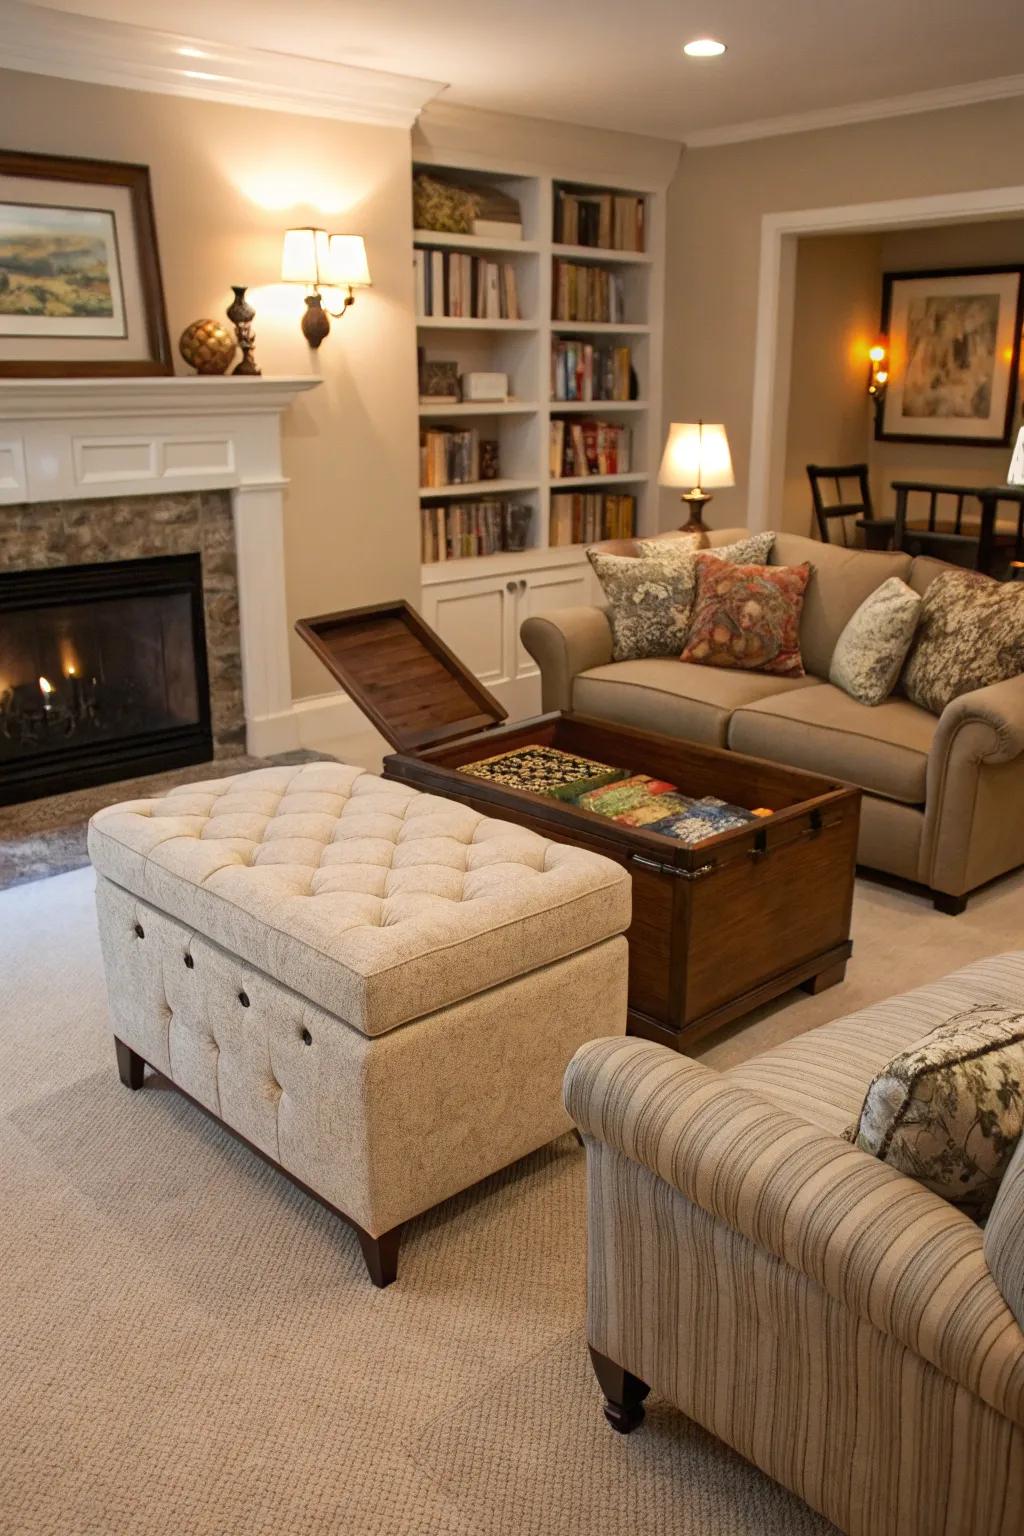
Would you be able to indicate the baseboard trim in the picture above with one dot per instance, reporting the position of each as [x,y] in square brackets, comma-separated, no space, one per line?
[306,723]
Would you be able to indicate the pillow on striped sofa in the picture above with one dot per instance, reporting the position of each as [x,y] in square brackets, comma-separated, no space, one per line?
[949,1111]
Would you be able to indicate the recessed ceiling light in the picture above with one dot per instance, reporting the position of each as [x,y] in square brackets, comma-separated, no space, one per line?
[704,48]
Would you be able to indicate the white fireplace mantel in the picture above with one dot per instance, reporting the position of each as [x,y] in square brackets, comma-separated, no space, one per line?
[74,439]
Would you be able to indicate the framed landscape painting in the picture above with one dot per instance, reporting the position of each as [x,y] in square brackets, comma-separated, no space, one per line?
[954,355]
[80,289]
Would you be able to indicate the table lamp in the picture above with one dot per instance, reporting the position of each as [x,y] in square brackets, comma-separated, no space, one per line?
[697,456]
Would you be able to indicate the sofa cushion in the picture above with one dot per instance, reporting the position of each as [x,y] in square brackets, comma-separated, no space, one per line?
[949,1109]
[971,634]
[747,617]
[823,1075]
[871,650]
[370,898]
[842,579]
[672,697]
[884,750]
[1004,1235]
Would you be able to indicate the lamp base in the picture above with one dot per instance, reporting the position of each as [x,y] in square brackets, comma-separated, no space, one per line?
[316,323]
[695,500]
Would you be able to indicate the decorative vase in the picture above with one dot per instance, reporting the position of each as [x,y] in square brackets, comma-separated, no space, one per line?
[241,314]
[206,346]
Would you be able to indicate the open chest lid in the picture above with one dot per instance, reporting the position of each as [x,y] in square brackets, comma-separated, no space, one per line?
[401,674]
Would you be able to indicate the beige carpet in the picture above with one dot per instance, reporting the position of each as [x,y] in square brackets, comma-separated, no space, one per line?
[191,1348]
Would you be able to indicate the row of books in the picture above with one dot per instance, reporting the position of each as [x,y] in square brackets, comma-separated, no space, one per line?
[449,456]
[588,448]
[587,293]
[607,221]
[460,530]
[584,517]
[449,283]
[581,371]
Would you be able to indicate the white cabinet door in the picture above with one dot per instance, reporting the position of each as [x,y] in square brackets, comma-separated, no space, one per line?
[476,619]
[564,586]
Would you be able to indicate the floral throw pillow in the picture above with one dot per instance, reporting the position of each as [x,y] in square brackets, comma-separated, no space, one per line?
[649,600]
[751,551]
[871,650]
[950,1110]
[971,634]
[747,617]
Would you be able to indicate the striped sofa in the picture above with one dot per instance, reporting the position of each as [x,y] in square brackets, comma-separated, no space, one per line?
[848,1331]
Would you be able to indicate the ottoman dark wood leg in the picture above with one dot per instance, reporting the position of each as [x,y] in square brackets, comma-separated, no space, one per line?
[381,1254]
[951,905]
[131,1068]
[825,979]
[624,1393]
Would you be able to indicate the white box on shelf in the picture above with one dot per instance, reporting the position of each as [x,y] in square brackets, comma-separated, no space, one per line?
[485,386]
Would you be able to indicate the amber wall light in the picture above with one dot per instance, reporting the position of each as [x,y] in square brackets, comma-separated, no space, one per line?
[319,260]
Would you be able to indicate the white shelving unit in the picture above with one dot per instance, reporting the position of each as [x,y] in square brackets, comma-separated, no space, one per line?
[478,604]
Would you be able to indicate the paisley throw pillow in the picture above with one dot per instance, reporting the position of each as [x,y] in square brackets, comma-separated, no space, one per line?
[971,634]
[949,1111]
[871,650]
[747,617]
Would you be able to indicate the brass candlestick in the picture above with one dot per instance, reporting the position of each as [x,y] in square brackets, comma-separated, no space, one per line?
[241,314]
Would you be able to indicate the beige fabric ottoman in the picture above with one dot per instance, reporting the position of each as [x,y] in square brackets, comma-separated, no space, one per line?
[378,989]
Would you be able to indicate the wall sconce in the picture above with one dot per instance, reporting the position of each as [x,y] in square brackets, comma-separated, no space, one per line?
[319,260]
[878,356]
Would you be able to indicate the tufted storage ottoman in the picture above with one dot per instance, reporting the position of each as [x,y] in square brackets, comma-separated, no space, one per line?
[378,989]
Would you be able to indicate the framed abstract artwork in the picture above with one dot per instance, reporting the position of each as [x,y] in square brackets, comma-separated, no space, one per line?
[954,355]
[80,287]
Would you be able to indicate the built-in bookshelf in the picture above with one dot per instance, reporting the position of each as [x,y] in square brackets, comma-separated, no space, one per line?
[557,286]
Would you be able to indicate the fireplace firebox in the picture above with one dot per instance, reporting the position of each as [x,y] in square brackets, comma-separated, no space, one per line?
[103,674]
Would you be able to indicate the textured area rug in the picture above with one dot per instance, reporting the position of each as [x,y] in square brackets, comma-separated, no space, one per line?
[190,1347]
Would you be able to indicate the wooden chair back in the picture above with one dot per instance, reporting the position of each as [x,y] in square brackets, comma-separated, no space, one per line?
[960,524]
[852,500]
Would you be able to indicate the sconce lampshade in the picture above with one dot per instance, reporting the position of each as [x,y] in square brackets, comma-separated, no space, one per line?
[696,454]
[347,262]
[305,256]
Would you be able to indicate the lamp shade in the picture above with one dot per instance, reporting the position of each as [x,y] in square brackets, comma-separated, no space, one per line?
[305,256]
[696,453]
[347,262]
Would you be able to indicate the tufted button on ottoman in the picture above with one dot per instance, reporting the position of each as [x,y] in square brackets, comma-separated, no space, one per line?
[381,988]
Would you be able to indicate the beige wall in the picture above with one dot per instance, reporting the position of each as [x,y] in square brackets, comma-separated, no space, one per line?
[835,319]
[226,182]
[715,206]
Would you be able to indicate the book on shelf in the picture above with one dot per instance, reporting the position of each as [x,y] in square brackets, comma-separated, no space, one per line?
[457,286]
[449,456]
[607,221]
[582,371]
[585,517]
[587,293]
[588,447]
[462,530]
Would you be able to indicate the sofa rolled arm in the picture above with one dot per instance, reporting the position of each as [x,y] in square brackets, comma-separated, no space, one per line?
[988,723]
[563,643]
[889,1250]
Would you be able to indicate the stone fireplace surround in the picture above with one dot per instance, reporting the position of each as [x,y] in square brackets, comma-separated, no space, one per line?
[108,469]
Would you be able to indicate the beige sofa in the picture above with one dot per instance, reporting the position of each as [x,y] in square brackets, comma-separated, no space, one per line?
[944,797]
[847,1330]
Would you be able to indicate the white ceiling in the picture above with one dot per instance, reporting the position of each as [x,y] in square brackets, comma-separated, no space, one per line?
[617,63]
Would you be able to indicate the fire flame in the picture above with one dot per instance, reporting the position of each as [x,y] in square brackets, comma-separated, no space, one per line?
[45,687]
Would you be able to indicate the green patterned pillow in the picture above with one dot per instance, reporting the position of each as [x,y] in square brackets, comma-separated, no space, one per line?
[971,634]
[649,600]
[750,551]
[949,1111]
[871,650]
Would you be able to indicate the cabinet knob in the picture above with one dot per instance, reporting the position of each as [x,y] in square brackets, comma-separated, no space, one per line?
[510,586]
[522,584]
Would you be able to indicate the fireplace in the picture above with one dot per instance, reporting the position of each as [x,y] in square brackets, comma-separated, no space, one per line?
[103,674]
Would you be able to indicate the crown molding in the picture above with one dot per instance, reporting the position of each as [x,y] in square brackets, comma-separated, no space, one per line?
[48,42]
[861,112]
